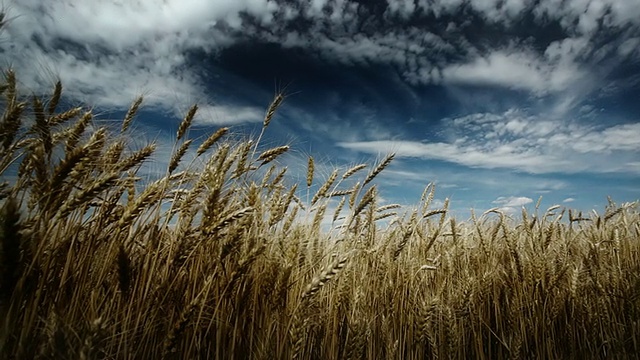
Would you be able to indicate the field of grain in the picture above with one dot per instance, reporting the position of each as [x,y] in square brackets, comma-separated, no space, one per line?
[224,258]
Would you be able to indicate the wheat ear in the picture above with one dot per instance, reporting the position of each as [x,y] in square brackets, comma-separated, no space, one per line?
[383,164]
[211,140]
[327,274]
[325,187]
[310,168]
[130,114]
[186,122]
[353,170]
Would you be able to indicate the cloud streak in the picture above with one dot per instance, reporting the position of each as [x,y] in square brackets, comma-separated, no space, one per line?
[515,140]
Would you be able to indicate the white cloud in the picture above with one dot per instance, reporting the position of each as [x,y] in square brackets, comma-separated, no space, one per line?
[515,70]
[583,15]
[501,156]
[568,200]
[108,52]
[512,201]
[228,115]
[404,8]
[498,10]
[114,50]
[629,47]
[511,204]
[514,140]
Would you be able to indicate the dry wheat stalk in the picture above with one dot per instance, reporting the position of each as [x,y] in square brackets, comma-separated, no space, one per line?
[211,140]
[278,178]
[95,143]
[354,195]
[327,274]
[272,109]
[244,264]
[385,215]
[55,98]
[317,218]
[340,193]
[58,119]
[407,234]
[231,218]
[11,122]
[170,343]
[325,187]
[434,212]
[296,335]
[137,158]
[11,91]
[133,110]
[113,153]
[269,155]
[72,159]
[241,167]
[280,211]
[41,126]
[186,122]
[177,156]
[77,130]
[388,207]
[383,164]
[310,169]
[336,213]
[353,170]
[367,198]
[290,219]
[87,194]
[610,214]
[145,200]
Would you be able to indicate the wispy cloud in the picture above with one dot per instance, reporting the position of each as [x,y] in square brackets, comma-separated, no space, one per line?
[529,143]
[110,51]
[228,115]
[521,70]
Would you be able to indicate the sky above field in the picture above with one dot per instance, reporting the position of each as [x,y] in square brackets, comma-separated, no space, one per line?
[498,102]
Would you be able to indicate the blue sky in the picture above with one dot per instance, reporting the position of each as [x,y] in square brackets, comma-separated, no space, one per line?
[497,101]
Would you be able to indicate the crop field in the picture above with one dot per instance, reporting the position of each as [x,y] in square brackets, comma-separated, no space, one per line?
[224,258]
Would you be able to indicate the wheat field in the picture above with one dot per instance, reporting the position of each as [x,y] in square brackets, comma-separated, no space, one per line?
[223,257]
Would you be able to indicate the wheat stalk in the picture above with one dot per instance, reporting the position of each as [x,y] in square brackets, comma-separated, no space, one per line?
[61,118]
[186,122]
[272,109]
[211,140]
[269,155]
[381,166]
[353,170]
[137,158]
[133,110]
[325,187]
[177,156]
[55,98]
[327,274]
[77,130]
[310,168]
